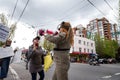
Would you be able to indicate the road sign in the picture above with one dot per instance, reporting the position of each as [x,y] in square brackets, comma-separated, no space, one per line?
[4,32]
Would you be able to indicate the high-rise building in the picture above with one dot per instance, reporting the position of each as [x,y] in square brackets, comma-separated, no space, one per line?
[103,28]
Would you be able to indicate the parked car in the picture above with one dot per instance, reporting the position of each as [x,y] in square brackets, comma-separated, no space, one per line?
[111,60]
[107,61]
[103,61]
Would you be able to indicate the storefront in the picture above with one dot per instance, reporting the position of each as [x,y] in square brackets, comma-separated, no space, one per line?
[79,57]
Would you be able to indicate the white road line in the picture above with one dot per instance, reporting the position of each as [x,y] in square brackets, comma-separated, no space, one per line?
[106,77]
[117,73]
[15,75]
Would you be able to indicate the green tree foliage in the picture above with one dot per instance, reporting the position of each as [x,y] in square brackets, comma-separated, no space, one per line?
[106,48]
[99,45]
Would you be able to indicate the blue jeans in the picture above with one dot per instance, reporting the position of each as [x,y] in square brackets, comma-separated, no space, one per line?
[4,67]
[41,74]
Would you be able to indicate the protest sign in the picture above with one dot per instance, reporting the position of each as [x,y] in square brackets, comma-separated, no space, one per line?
[6,52]
[4,32]
[17,56]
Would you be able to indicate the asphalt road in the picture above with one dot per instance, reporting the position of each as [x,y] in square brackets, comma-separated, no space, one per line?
[78,71]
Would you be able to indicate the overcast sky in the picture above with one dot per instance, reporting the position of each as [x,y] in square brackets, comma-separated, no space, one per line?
[49,13]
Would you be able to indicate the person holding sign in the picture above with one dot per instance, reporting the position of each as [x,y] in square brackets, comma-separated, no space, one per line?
[5,62]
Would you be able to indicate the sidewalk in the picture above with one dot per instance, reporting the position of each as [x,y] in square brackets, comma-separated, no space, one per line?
[12,75]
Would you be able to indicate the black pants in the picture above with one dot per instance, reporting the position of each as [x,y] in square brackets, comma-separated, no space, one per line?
[41,74]
[4,67]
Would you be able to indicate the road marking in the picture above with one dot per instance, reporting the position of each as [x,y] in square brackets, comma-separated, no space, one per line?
[15,75]
[117,73]
[106,77]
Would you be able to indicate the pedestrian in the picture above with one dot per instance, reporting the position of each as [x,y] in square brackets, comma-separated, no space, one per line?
[5,62]
[63,41]
[35,53]
[26,59]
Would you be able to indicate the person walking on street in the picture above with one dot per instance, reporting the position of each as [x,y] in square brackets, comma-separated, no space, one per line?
[5,62]
[35,53]
[63,41]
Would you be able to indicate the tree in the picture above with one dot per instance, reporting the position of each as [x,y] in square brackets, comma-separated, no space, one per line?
[99,45]
[105,48]
[110,48]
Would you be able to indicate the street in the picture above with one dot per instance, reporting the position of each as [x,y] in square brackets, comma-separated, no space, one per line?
[78,71]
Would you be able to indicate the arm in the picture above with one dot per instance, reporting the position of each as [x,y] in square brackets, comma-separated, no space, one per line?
[30,52]
[55,39]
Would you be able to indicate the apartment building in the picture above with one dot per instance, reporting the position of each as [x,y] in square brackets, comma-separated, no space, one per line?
[103,28]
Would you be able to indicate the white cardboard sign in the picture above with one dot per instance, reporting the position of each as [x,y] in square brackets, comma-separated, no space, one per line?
[6,52]
[17,56]
[4,32]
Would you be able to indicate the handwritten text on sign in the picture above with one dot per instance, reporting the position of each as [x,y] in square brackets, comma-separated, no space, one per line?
[4,32]
[6,52]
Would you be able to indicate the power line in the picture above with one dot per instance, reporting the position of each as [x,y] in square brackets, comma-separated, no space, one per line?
[97,9]
[61,17]
[110,7]
[73,12]
[14,10]
[23,11]
[73,9]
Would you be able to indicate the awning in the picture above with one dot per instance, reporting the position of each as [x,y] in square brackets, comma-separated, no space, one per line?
[75,52]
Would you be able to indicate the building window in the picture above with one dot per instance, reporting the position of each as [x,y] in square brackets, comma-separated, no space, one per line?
[100,24]
[80,50]
[100,33]
[84,50]
[84,42]
[91,44]
[82,35]
[92,51]
[79,42]
[88,50]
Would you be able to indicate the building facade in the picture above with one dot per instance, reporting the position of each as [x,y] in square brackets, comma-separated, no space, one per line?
[103,28]
[83,48]
[83,45]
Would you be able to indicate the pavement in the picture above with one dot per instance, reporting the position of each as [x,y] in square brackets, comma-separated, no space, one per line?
[12,75]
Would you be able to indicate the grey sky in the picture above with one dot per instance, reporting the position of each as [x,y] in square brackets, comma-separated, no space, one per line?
[49,13]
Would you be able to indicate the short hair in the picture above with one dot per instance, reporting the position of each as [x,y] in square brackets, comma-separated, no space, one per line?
[37,37]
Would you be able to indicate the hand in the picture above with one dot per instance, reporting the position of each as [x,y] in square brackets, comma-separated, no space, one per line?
[34,47]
